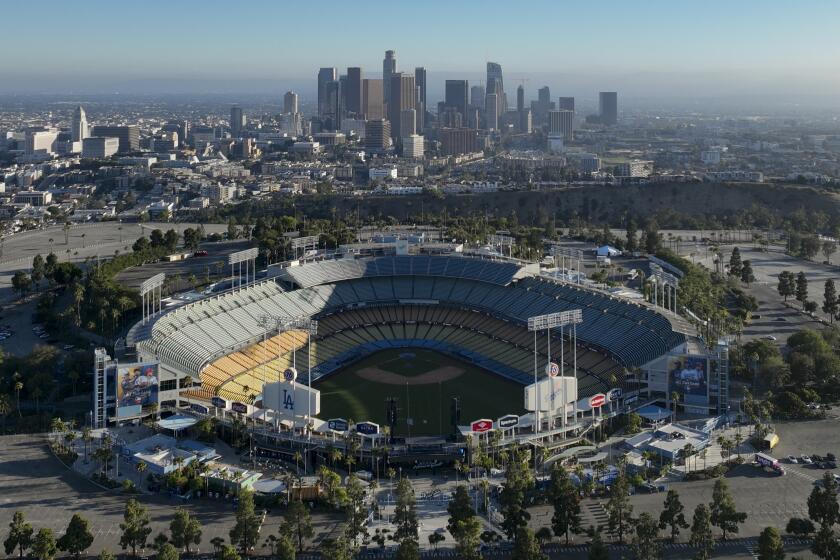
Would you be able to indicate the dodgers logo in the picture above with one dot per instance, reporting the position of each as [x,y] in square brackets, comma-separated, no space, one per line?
[288,400]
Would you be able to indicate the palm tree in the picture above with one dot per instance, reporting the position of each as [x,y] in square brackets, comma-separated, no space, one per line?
[5,408]
[18,388]
[298,457]
[141,468]
[738,440]
[87,437]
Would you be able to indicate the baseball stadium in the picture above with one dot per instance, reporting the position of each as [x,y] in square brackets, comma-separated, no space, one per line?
[420,330]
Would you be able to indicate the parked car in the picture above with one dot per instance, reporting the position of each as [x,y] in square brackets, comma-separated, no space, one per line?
[807,460]
[793,460]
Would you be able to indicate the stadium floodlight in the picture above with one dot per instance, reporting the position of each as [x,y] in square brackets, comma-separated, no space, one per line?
[243,256]
[501,240]
[552,320]
[150,284]
[304,242]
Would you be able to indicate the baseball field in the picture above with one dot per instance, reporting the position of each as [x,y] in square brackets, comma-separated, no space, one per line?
[424,383]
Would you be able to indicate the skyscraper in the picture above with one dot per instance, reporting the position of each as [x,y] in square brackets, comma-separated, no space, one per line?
[477,94]
[560,123]
[290,102]
[80,125]
[566,103]
[237,121]
[353,93]
[608,107]
[325,75]
[491,111]
[402,97]
[333,105]
[129,136]
[523,115]
[456,96]
[495,84]
[373,101]
[408,122]
[389,67]
[377,134]
[420,84]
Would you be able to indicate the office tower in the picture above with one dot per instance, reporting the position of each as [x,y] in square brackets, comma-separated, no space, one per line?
[523,117]
[408,122]
[389,67]
[608,107]
[561,123]
[520,98]
[333,105]
[99,147]
[237,121]
[544,95]
[373,100]
[353,93]
[455,141]
[525,121]
[80,125]
[477,94]
[456,95]
[377,135]
[412,146]
[450,117]
[566,103]
[420,84]
[129,136]
[290,102]
[40,140]
[325,75]
[495,84]
[402,98]
[491,111]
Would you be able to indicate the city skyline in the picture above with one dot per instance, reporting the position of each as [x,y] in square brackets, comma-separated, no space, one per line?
[646,50]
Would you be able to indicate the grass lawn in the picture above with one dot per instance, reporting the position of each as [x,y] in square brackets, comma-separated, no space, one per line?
[483,394]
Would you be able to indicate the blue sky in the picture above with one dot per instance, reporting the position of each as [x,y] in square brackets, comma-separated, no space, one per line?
[733,46]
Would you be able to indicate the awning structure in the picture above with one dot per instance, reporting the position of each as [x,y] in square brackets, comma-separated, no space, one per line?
[654,413]
[177,422]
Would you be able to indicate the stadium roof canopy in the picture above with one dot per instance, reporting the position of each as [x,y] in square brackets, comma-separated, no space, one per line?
[177,422]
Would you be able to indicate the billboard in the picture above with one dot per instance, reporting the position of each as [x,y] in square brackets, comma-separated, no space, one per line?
[689,376]
[291,399]
[481,426]
[137,386]
[367,428]
[551,393]
[508,421]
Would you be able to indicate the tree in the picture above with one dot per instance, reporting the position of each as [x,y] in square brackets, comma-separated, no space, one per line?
[336,549]
[597,549]
[619,509]
[825,545]
[747,276]
[77,538]
[770,545]
[463,524]
[735,263]
[185,529]
[405,512]
[823,507]
[787,284]
[701,533]
[801,288]
[228,552]
[168,552]
[44,546]
[356,510]
[651,237]
[830,303]
[645,544]
[526,547]
[246,530]
[285,548]
[21,282]
[672,515]
[409,549]
[722,509]
[38,269]
[435,539]
[20,535]
[135,527]
[105,554]
[565,500]
[297,523]
[518,480]
[800,526]
[631,243]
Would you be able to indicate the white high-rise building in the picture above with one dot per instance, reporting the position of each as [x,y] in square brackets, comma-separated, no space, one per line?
[80,129]
[412,146]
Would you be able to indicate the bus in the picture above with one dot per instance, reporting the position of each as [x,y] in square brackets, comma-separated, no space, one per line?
[767,461]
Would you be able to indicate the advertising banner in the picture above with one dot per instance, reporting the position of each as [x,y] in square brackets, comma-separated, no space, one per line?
[137,387]
[688,376]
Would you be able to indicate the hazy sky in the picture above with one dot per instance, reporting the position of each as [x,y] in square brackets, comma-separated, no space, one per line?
[641,47]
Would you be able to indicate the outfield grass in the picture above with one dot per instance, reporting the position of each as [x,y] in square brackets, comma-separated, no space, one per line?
[483,394]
